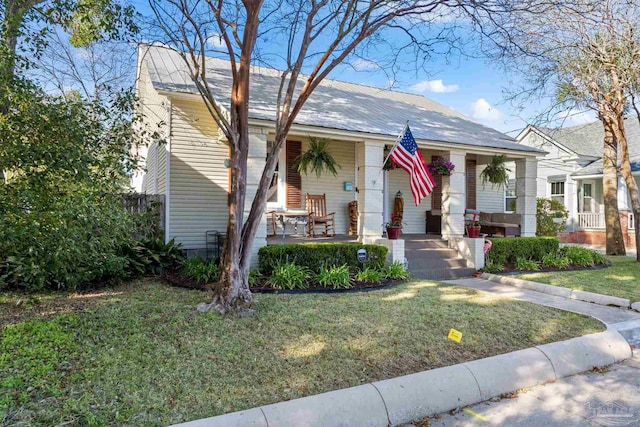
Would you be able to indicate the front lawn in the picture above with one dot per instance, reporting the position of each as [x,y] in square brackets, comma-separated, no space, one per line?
[621,279]
[140,354]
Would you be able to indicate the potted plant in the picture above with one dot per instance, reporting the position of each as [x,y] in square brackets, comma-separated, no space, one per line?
[394,228]
[473,226]
[441,166]
[495,172]
[317,158]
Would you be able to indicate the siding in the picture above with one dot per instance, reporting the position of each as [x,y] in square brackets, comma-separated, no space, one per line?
[414,216]
[490,198]
[153,108]
[199,179]
[333,186]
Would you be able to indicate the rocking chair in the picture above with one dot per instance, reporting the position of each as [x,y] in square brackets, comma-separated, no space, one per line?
[317,210]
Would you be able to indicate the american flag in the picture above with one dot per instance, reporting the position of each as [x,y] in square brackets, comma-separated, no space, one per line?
[407,155]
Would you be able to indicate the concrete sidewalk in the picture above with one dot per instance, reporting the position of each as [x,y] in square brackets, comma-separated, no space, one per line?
[618,318]
[611,398]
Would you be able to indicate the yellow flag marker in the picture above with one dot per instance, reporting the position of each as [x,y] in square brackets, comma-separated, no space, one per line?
[475,414]
[455,335]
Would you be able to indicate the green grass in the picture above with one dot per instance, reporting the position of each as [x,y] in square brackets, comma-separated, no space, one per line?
[621,279]
[141,355]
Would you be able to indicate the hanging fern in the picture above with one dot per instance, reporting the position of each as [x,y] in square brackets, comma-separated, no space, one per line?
[317,158]
[496,173]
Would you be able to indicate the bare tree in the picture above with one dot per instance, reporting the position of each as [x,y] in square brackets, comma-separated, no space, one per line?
[572,54]
[316,36]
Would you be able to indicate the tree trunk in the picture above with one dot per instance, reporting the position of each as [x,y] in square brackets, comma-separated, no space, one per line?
[615,240]
[627,174]
[232,289]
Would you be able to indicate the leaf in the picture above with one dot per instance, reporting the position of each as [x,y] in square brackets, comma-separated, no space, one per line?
[317,158]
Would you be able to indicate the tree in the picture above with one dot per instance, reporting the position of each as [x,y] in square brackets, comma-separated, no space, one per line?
[571,53]
[316,36]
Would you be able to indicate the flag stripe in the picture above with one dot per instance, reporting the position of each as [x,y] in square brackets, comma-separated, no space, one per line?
[407,155]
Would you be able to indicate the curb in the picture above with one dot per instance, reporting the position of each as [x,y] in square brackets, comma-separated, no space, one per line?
[562,292]
[403,399]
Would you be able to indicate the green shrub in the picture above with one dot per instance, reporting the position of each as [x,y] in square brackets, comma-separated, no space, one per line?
[201,271]
[314,256]
[396,271]
[599,259]
[71,241]
[289,276]
[555,261]
[153,255]
[508,250]
[335,277]
[582,257]
[369,275]
[254,277]
[524,264]
[547,213]
[492,267]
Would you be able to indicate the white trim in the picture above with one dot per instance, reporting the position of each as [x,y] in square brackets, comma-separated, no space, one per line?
[167,174]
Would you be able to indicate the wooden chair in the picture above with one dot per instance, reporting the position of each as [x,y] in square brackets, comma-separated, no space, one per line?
[272,228]
[317,210]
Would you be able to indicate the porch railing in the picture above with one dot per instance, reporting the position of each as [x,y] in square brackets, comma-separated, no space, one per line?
[590,220]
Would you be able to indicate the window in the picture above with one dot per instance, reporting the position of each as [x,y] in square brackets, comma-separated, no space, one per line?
[510,196]
[587,198]
[557,191]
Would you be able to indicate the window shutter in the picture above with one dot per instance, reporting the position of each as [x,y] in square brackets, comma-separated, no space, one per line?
[470,174]
[436,195]
[294,180]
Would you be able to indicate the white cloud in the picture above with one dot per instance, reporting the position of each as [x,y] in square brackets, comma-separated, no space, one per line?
[215,41]
[435,86]
[364,64]
[482,110]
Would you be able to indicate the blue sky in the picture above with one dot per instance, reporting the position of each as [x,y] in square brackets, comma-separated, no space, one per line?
[471,86]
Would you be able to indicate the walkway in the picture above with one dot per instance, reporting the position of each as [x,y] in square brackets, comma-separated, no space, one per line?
[607,398]
[618,318]
[610,398]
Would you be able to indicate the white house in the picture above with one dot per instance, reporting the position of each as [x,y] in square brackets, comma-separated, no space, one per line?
[571,172]
[363,121]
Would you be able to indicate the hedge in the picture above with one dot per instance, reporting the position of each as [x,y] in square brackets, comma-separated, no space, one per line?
[508,250]
[315,255]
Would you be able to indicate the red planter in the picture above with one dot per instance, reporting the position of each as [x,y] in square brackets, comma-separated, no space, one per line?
[473,231]
[393,233]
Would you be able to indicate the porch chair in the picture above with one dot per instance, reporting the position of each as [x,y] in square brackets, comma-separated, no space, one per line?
[317,210]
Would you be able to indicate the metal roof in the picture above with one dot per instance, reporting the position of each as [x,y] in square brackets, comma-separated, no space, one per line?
[587,140]
[333,104]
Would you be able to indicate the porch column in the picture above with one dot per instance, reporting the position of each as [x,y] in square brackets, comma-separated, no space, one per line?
[369,157]
[526,174]
[454,198]
[255,165]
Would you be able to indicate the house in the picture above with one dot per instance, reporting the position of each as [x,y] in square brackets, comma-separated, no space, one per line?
[571,172]
[362,121]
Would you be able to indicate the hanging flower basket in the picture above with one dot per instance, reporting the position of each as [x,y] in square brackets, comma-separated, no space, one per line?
[441,166]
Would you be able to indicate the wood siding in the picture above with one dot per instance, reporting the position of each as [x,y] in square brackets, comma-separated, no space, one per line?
[333,186]
[153,107]
[490,198]
[414,216]
[199,179]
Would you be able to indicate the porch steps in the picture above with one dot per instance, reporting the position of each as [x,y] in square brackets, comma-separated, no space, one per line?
[432,259]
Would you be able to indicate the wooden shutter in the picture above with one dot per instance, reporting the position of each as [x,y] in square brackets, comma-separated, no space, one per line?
[294,180]
[470,174]
[436,195]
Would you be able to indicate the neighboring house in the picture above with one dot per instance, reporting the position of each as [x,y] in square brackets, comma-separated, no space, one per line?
[363,122]
[571,173]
